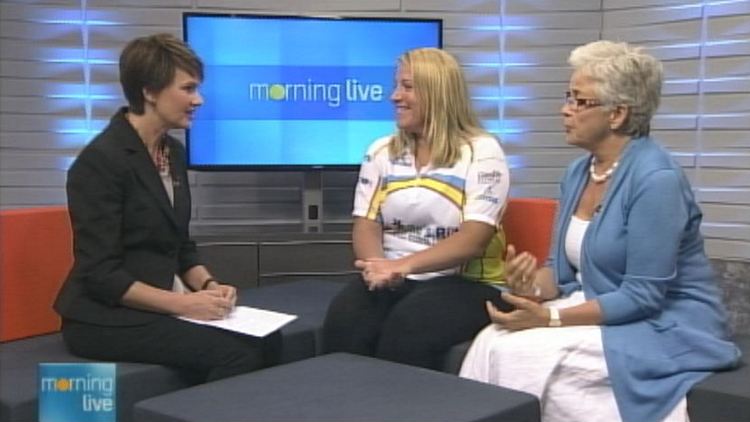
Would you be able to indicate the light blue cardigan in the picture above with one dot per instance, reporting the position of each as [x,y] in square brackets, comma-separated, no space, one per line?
[664,326]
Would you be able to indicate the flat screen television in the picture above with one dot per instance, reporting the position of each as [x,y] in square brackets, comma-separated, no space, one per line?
[295,92]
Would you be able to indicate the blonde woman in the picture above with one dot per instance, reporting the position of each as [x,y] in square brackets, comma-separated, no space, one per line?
[633,316]
[425,232]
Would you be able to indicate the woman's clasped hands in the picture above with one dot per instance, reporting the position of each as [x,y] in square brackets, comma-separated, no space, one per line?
[381,273]
[524,295]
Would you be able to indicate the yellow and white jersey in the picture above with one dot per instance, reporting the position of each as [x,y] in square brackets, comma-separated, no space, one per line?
[418,209]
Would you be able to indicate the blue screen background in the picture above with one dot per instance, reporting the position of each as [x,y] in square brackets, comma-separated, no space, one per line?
[296,92]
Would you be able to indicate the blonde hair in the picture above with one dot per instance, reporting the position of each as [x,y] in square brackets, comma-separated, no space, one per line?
[449,119]
[625,75]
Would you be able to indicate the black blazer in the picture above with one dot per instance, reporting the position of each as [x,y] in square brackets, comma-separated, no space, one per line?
[124,227]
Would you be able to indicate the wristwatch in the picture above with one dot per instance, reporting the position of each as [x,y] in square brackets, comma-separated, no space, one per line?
[554,317]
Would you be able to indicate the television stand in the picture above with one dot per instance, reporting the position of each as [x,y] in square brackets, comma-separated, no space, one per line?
[312,202]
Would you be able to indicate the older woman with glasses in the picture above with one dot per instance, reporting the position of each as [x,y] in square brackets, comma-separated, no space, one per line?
[626,316]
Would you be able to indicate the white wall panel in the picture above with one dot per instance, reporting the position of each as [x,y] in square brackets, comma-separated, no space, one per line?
[39,105]
[736,232]
[38,31]
[724,195]
[724,8]
[726,103]
[727,67]
[677,139]
[546,37]
[664,32]
[451,20]
[34,160]
[534,107]
[723,213]
[552,159]
[725,178]
[34,123]
[30,12]
[538,191]
[33,196]
[33,178]
[10,68]
[546,6]
[728,27]
[680,87]
[523,74]
[682,69]
[472,39]
[477,6]
[16,87]
[671,122]
[536,176]
[721,139]
[295,6]
[731,48]
[739,121]
[142,3]
[629,4]
[679,104]
[735,159]
[30,141]
[675,51]
[576,20]
[738,249]
[650,16]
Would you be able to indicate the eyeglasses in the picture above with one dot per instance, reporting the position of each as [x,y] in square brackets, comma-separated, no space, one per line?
[580,104]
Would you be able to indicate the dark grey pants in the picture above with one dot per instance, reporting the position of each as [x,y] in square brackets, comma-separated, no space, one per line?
[206,353]
[415,324]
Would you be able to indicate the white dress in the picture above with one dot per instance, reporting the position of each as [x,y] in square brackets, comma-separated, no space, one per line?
[564,366]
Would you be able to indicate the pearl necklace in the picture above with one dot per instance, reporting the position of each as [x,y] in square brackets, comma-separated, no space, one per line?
[603,177]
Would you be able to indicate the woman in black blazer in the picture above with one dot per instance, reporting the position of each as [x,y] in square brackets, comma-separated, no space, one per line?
[129,203]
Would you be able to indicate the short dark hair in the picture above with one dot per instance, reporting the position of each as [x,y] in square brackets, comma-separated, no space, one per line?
[151,63]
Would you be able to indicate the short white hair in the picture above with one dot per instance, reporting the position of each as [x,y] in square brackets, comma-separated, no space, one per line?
[624,75]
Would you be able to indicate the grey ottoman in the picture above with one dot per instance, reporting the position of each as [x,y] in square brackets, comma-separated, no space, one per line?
[341,388]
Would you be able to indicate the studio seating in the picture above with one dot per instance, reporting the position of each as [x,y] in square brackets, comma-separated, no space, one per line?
[37,253]
[36,256]
[528,225]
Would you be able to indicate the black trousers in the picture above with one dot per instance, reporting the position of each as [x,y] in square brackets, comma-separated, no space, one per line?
[415,323]
[205,353]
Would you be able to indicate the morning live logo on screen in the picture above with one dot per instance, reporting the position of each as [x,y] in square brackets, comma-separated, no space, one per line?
[77,392]
[299,92]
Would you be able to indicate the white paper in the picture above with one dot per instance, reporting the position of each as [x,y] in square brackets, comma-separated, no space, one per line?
[252,321]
